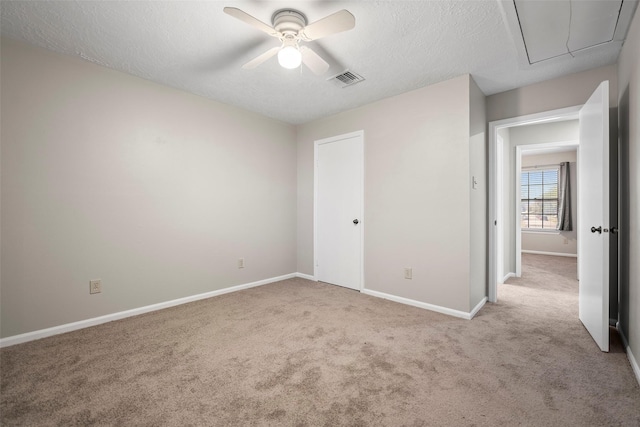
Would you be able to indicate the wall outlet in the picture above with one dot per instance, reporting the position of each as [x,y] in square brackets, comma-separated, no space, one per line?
[408,273]
[566,241]
[240,262]
[95,286]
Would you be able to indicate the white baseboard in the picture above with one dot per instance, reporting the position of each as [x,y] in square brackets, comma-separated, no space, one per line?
[477,308]
[632,360]
[549,253]
[43,333]
[634,364]
[507,276]
[427,306]
[306,276]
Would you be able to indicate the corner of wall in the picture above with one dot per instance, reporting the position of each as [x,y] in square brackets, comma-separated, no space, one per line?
[479,178]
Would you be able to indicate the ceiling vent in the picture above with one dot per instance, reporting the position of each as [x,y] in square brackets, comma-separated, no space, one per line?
[348,78]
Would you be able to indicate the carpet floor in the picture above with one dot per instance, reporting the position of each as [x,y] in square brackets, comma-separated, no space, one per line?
[300,353]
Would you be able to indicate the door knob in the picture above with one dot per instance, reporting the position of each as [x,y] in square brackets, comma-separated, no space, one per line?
[355,221]
[614,230]
[599,230]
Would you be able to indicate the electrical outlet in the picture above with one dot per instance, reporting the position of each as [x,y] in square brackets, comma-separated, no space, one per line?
[566,241]
[240,262]
[408,273]
[95,286]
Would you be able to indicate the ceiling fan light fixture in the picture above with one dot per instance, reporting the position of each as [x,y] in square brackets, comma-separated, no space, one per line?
[289,57]
[290,27]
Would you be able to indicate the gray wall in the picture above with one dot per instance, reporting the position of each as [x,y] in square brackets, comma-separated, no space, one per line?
[155,191]
[629,123]
[566,91]
[478,168]
[417,191]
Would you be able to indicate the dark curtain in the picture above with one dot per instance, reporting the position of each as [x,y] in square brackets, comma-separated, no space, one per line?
[564,208]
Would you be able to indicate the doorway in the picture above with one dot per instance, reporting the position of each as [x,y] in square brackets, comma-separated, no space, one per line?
[594,207]
[539,233]
[496,175]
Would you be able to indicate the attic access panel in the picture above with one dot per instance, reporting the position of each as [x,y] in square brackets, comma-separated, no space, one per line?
[554,28]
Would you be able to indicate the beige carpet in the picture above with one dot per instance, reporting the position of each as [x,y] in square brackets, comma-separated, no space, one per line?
[300,353]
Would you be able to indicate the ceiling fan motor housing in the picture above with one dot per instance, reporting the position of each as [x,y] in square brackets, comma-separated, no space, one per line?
[288,21]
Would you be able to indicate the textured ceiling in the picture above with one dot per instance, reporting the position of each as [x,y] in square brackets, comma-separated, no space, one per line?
[396,46]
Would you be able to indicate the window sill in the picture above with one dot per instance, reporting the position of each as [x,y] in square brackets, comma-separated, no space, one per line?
[533,231]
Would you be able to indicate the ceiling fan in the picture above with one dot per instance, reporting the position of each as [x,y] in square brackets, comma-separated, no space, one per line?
[290,27]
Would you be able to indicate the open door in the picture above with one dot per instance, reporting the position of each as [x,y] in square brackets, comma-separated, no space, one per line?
[593,220]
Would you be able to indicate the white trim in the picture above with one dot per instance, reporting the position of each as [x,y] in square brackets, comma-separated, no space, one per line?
[68,327]
[477,308]
[306,276]
[427,306]
[492,223]
[507,276]
[540,168]
[549,253]
[547,116]
[541,148]
[518,222]
[632,360]
[500,264]
[316,144]
[634,364]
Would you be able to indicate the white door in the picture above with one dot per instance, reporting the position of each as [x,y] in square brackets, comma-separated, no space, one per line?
[338,210]
[593,220]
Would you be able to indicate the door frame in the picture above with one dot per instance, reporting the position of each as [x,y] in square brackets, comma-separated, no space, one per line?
[316,144]
[496,170]
[520,150]
[500,210]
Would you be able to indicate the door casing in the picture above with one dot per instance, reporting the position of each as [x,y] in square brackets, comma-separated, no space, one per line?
[496,170]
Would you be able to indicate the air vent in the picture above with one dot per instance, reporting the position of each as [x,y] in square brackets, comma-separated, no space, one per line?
[348,78]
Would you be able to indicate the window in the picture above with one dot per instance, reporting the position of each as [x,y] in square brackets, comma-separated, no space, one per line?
[539,199]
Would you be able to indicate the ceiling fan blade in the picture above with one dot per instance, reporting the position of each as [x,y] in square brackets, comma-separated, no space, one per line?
[248,19]
[261,58]
[336,23]
[312,60]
